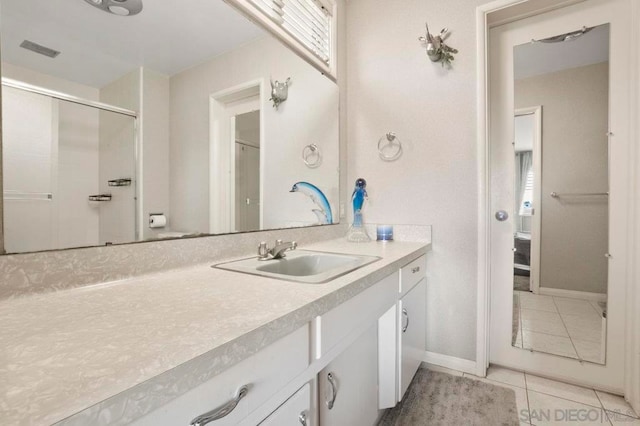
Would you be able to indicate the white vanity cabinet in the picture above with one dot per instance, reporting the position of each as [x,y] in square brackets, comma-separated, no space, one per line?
[411,322]
[349,337]
[263,374]
[341,369]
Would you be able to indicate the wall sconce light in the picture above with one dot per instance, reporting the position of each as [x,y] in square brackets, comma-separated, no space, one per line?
[279,92]
[437,49]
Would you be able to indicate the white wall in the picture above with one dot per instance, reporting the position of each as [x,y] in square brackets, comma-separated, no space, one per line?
[49,82]
[574,231]
[287,131]
[155,150]
[525,130]
[392,86]
[248,128]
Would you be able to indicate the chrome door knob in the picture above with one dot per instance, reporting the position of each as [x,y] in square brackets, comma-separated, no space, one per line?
[502,215]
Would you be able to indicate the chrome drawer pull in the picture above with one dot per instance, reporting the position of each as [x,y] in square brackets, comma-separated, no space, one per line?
[303,418]
[416,269]
[220,412]
[406,314]
[334,390]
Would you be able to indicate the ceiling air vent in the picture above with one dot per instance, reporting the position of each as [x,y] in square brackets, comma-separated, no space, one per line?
[38,48]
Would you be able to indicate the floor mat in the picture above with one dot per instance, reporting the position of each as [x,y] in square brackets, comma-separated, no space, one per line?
[435,398]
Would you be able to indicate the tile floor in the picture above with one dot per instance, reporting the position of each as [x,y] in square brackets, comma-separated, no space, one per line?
[573,328]
[548,402]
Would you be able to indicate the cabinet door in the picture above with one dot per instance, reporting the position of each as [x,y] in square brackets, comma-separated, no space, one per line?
[412,334]
[296,411]
[388,358]
[348,385]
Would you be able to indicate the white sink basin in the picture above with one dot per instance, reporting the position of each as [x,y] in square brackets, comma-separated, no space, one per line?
[311,267]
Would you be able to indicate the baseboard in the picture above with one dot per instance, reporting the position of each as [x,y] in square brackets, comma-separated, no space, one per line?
[572,294]
[450,362]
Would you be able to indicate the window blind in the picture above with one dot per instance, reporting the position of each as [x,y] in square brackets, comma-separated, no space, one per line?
[308,21]
[526,205]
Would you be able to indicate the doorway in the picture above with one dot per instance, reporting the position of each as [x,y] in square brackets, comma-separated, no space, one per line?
[236,149]
[528,182]
[247,171]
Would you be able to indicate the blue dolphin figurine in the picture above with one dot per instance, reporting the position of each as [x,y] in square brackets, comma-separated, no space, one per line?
[324,213]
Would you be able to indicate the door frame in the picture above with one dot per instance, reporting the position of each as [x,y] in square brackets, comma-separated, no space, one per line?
[534,264]
[222,153]
[511,10]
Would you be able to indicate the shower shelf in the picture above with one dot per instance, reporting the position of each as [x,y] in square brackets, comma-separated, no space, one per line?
[120,182]
[100,197]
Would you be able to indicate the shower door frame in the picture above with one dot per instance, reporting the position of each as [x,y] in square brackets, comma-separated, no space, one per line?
[137,144]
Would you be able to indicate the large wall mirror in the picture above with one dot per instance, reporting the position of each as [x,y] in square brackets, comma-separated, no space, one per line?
[561,231]
[159,124]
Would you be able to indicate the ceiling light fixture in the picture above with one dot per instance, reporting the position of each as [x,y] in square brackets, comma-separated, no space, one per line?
[118,7]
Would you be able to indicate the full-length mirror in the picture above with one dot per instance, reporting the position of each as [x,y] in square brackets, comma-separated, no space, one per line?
[561,191]
[159,124]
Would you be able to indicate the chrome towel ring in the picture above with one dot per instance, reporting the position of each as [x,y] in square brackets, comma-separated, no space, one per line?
[389,147]
[311,156]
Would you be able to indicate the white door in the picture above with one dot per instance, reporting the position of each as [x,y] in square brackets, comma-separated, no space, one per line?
[348,386]
[30,170]
[502,40]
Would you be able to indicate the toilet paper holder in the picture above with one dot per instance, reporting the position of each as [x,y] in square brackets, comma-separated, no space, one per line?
[157,220]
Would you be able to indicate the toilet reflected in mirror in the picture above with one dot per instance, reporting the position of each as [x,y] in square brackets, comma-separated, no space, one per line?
[560,235]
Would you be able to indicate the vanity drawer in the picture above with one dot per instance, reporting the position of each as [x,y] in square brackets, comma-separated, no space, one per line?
[264,373]
[364,308]
[411,274]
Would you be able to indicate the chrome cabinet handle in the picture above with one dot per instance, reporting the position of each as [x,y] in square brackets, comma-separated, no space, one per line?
[406,314]
[303,418]
[334,390]
[416,269]
[222,411]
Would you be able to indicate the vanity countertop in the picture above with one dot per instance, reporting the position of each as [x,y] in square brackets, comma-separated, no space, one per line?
[96,349]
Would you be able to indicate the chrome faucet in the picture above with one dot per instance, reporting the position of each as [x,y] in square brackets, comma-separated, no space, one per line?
[277,252]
